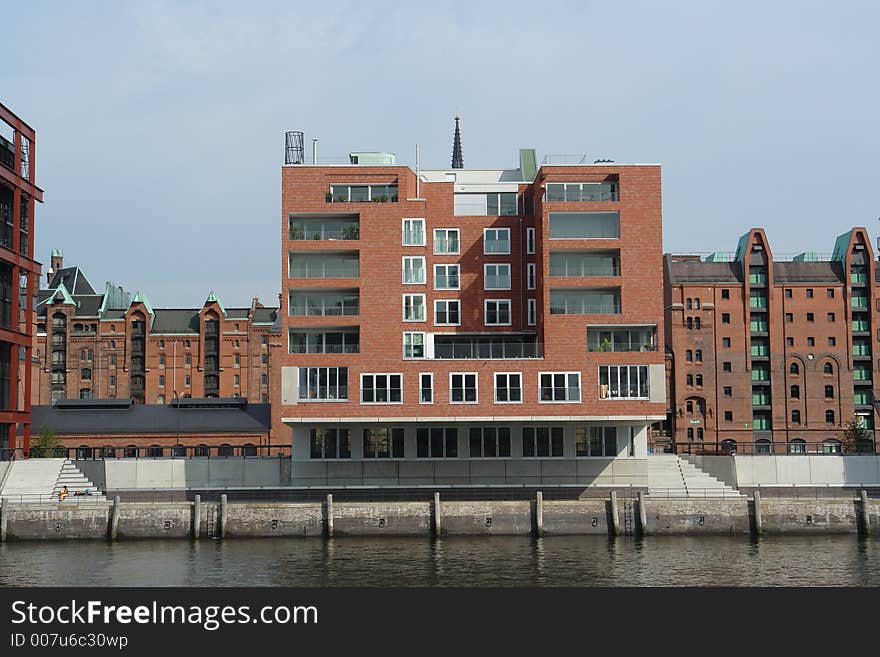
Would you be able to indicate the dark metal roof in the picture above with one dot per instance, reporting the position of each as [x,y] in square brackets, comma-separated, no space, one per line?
[695,271]
[101,418]
[175,321]
[265,315]
[87,305]
[74,280]
[808,272]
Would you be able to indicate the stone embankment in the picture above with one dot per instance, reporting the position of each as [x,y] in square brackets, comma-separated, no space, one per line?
[636,515]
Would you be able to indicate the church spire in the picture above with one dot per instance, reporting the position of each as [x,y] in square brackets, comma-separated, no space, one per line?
[457,158]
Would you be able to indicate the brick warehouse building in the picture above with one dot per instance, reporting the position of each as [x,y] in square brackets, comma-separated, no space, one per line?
[18,277]
[772,355]
[113,344]
[471,326]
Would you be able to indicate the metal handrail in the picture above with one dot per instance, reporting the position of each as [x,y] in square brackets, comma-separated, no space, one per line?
[814,448]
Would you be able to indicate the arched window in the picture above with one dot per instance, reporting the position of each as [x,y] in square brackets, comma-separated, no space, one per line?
[728,446]
[86,374]
[154,451]
[77,327]
[689,355]
[699,380]
[795,417]
[131,452]
[224,450]
[697,323]
[829,417]
[688,303]
[699,433]
[829,368]
[160,399]
[200,450]
[699,355]
[249,450]
[797,446]
[690,433]
[689,379]
[178,450]
[831,446]
[690,323]
[108,453]
[794,369]
[84,453]
[701,409]
[762,446]
[795,392]
[689,407]
[829,392]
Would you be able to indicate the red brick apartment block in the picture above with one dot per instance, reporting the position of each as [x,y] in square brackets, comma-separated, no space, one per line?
[772,355]
[470,326]
[19,275]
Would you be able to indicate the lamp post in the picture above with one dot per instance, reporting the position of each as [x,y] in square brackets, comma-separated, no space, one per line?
[177,416]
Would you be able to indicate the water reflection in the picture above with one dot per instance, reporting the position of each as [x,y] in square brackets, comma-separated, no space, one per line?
[450,561]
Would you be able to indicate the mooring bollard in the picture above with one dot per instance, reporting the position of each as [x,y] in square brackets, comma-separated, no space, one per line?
[866,515]
[197,517]
[759,521]
[114,518]
[615,517]
[643,515]
[329,515]
[539,514]
[223,509]
[437,514]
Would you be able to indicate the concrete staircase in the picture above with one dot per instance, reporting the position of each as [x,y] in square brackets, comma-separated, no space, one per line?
[41,480]
[672,477]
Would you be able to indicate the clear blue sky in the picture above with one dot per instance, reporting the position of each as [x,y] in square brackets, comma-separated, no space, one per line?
[160,124]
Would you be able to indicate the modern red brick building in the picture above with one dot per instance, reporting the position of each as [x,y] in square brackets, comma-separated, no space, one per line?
[19,275]
[471,326]
[772,354]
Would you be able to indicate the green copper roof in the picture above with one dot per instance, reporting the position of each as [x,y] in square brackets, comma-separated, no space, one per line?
[742,248]
[807,256]
[140,297]
[841,244]
[65,296]
[528,164]
[56,253]
[212,298]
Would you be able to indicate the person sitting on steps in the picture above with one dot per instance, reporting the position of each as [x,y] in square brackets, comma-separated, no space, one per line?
[63,494]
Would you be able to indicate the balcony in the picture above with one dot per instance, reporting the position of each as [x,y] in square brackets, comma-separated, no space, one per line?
[581,192]
[344,227]
[448,347]
[860,302]
[861,326]
[361,194]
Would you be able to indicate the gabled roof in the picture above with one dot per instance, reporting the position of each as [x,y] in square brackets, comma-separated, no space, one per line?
[212,298]
[140,297]
[88,304]
[176,320]
[74,279]
[60,295]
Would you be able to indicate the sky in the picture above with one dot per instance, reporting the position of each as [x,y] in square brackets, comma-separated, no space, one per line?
[160,125]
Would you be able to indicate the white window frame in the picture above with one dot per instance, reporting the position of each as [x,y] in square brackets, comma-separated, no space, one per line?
[464,387]
[530,241]
[531,276]
[375,403]
[532,312]
[447,265]
[486,303]
[496,231]
[618,398]
[436,301]
[458,241]
[403,271]
[561,401]
[431,375]
[495,386]
[486,275]
[424,310]
[404,221]
[424,352]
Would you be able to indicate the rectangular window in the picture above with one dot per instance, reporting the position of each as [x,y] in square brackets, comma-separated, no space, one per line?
[584,225]
[413,232]
[447,312]
[496,240]
[542,441]
[323,265]
[491,204]
[413,345]
[623,382]
[383,443]
[497,312]
[559,386]
[584,263]
[496,277]
[363,193]
[725,342]
[311,227]
[413,307]
[414,270]
[426,388]
[621,338]
[728,391]
[532,277]
[330,443]
[508,388]
[235,379]
[592,301]
[462,388]
[161,380]
[533,312]
[323,303]
[322,341]
[446,240]
[582,191]
[437,442]
[323,383]
[595,441]
[446,277]
[381,388]
[530,241]
[489,442]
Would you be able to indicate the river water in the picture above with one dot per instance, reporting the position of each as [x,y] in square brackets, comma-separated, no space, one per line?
[476,561]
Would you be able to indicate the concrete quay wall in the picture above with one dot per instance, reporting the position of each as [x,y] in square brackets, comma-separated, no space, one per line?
[198,519]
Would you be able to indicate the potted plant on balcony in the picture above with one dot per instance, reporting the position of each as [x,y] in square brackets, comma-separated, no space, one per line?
[328,197]
[350,232]
[296,233]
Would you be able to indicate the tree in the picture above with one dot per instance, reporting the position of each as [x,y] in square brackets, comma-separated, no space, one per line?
[46,444]
[856,438]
